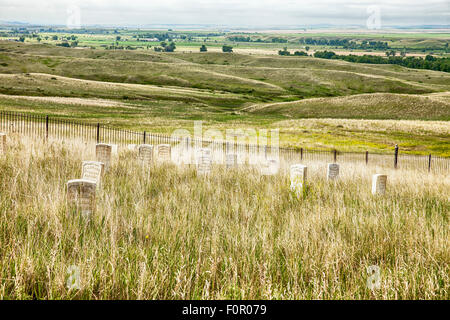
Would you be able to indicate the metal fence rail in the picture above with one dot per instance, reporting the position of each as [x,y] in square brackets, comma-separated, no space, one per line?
[45,126]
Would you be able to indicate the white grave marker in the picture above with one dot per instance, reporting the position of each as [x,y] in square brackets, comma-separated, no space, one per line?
[81,195]
[298,178]
[146,153]
[164,152]
[2,143]
[92,171]
[270,167]
[379,182]
[132,147]
[332,171]
[232,160]
[115,149]
[103,154]
[204,162]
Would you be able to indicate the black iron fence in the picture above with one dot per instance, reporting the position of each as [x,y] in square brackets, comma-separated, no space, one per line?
[49,126]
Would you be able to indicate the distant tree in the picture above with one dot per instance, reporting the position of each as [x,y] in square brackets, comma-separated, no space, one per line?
[226,48]
[55,38]
[284,52]
[74,44]
[325,54]
[38,39]
[22,39]
[63,44]
[300,53]
[203,48]
[307,48]
[171,47]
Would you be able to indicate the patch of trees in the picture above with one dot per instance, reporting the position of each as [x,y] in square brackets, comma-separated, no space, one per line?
[346,43]
[285,52]
[240,39]
[63,44]
[279,40]
[430,62]
[203,48]
[226,48]
[166,47]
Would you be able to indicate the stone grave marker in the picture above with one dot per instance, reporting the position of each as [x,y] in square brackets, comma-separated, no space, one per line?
[232,160]
[115,149]
[379,182]
[92,171]
[81,196]
[146,153]
[2,143]
[270,167]
[204,162]
[332,171]
[164,152]
[298,174]
[103,154]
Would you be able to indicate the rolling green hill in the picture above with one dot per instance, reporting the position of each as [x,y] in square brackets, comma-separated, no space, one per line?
[152,91]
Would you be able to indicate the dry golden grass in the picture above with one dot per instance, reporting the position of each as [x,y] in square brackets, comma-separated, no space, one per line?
[373,105]
[164,233]
[407,126]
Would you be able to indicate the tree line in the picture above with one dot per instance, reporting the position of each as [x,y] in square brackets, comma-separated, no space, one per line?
[429,62]
[346,43]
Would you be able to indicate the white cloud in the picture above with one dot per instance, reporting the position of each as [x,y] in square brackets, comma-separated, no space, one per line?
[227,12]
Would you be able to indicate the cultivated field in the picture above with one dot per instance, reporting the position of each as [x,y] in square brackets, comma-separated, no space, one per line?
[162,232]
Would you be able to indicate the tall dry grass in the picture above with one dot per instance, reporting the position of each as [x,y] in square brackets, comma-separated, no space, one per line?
[164,233]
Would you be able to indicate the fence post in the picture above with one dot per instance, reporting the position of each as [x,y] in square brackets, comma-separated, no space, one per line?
[335,155]
[301,153]
[429,163]
[396,157]
[145,136]
[98,132]
[46,127]
[367,157]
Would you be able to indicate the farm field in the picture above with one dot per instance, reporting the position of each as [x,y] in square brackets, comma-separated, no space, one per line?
[149,238]
[161,92]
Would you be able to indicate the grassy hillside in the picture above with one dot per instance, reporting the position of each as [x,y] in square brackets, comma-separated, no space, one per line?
[145,90]
[275,78]
[369,106]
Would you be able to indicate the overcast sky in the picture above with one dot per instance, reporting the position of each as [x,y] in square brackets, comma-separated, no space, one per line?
[258,13]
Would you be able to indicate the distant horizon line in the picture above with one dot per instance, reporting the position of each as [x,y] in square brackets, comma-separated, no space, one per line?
[231,27]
